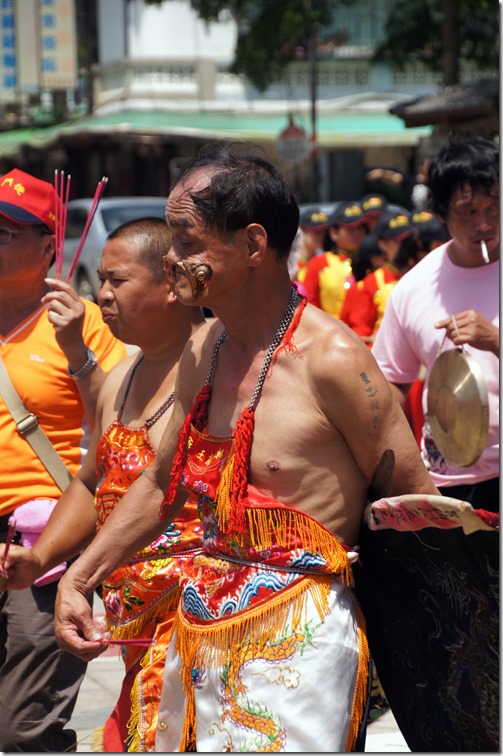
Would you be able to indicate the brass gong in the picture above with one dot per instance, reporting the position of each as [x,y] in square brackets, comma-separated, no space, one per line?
[458,407]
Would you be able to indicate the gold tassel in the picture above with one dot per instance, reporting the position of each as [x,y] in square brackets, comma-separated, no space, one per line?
[210,644]
[360,693]
[134,628]
[282,526]
[97,745]
[133,740]
[189,724]
[223,494]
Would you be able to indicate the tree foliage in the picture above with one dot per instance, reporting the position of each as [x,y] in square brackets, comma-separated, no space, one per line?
[416,31]
[270,32]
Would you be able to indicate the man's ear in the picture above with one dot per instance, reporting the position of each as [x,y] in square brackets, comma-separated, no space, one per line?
[49,248]
[256,240]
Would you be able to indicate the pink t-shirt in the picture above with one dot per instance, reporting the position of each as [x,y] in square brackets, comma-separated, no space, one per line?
[407,339]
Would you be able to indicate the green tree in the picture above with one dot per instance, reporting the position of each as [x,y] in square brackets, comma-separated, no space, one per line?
[440,33]
[270,32]
[436,32]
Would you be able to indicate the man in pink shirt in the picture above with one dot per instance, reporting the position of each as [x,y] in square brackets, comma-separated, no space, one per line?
[453,294]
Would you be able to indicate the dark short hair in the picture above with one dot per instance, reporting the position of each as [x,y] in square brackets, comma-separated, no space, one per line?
[243,188]
[472,161]
[152,237]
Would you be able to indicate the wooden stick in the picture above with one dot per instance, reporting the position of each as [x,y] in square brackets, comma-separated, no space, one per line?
[97,196]
[8,541]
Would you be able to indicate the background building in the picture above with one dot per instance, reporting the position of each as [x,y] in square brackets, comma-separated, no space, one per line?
[128,90]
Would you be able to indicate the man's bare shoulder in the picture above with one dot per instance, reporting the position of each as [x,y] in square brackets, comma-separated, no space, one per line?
[331,347]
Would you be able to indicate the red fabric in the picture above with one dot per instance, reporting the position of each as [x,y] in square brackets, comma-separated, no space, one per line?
[359,311]
[311,281]
[414,408]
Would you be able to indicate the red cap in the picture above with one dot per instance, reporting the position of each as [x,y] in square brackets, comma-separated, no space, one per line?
[26,199]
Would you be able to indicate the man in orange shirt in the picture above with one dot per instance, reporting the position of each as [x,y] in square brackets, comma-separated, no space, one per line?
[365,301]
[56,350]
[329,275]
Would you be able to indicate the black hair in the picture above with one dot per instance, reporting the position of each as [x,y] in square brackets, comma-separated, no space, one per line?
[361,263]
[472,161]
[152,238]
[243,188]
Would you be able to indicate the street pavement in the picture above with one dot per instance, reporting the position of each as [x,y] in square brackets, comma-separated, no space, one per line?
[101,687]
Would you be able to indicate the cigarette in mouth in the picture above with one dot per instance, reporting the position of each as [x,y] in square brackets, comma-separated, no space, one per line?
[484,251]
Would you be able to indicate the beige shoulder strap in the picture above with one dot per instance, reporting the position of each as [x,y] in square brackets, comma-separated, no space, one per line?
[27,425]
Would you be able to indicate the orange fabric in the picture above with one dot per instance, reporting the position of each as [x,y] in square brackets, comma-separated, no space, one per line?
[38,369]
[141,595]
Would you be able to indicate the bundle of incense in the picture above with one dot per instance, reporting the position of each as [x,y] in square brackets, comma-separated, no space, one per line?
[96,199]
[485,254]
[129,641]
[63,192]
[8,540]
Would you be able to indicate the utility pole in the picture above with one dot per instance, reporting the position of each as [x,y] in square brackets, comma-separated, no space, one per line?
[313,76]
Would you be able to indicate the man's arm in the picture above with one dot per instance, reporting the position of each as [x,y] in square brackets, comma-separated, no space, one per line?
[364,409]
[400,391]
[130,527]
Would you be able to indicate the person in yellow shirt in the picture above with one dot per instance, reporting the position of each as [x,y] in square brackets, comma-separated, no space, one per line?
[56,350]
[329,275]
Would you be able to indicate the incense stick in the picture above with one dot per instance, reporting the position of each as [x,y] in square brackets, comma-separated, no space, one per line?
[485,254]
[129,641]
[62,188]
[8,540]
[96,199]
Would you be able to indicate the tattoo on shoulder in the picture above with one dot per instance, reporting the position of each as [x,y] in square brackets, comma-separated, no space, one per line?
[371,393]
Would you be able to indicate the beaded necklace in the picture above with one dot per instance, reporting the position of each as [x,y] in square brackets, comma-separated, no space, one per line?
[231,493]
[154,417]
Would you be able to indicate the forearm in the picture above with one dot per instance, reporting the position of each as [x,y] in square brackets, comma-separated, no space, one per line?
[400,392]
[131,527]
[71,526]
[89,389]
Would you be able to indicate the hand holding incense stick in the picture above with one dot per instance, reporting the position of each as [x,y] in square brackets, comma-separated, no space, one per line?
[485,254]
[8,540]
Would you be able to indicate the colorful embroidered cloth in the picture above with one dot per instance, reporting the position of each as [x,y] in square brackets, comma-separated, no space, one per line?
[141,596]
[428,583]
[266,617]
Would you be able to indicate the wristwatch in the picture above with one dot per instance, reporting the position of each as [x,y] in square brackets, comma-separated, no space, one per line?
[89,365]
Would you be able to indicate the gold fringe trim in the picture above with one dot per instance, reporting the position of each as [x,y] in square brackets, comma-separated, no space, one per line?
[133,740]
[223,493]
[210,644]
[286,527]
[188,742]
[360,693]
[134,627]
[97,744]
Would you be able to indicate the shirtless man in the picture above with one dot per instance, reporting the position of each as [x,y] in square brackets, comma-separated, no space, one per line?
[278,450]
